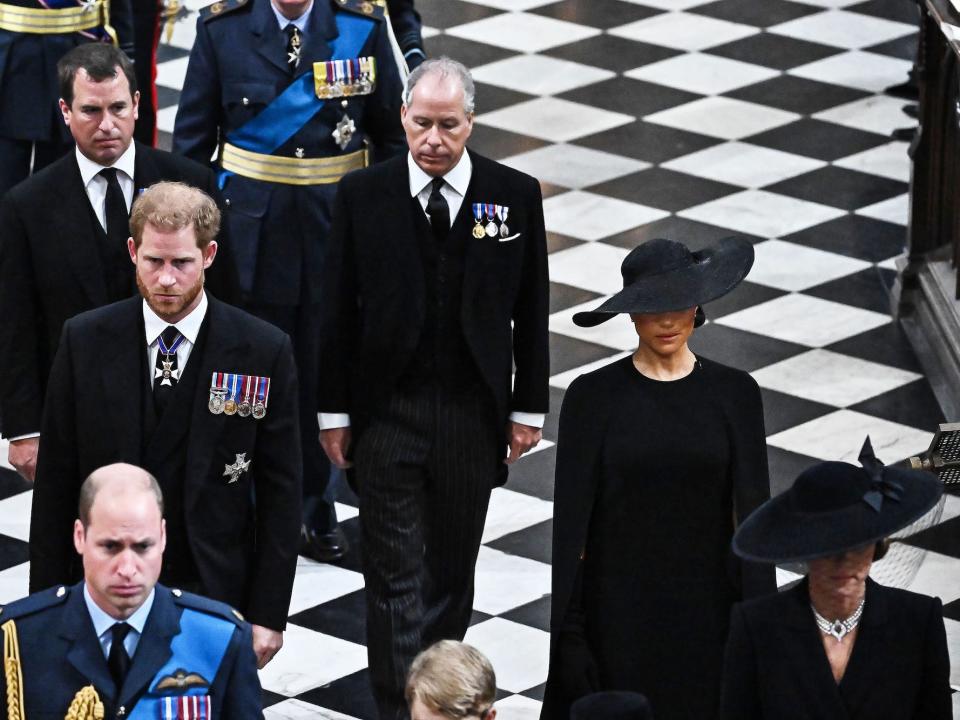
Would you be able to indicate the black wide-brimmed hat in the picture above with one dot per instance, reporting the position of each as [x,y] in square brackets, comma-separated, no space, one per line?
[612,705]
[663,275]
[833,507]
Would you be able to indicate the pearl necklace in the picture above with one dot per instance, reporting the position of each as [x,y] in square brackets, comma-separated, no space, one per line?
[839,628]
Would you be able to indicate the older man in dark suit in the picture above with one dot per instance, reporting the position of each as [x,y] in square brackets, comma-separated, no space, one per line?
[63,233]
[436,285]
[200,394]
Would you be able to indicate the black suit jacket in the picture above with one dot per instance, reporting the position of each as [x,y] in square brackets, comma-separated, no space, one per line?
[50,270]
[776,667]
[375,297]
[243,535]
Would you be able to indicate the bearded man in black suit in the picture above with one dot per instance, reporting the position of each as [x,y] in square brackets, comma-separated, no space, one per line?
[436,287]
[63,233]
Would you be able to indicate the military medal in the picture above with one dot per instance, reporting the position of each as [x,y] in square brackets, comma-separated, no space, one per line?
[345,129]
[492,228]
[478,231]
[368,74]
[293,57]
[503,211]
[217,394]
[239,467]
[230,405]
[167,372]
[245,408]
[263,395]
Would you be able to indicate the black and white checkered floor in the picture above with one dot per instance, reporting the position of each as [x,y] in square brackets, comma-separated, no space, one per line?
[643,119]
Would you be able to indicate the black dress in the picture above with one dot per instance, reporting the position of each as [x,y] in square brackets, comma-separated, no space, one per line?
[650,476]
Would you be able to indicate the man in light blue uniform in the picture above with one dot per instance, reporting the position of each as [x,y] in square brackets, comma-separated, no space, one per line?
[144,650]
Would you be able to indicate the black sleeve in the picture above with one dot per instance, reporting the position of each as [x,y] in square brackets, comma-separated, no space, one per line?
[934,700]
[121,20]
[739,695]
[408,28]
[196,130]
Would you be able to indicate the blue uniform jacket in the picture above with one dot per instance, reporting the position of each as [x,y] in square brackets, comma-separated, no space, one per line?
[237,67]
[60,654]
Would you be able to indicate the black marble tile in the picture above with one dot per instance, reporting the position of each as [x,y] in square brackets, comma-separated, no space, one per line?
[903,48]
[746,294]
[952,611]
[646,141]
[784,468]
[868,289]
[774,51]
[344,617]
[477,617]
[12,484]
[839,188]
[943,538]
[167,97]
[798,95]
[498,144]
[782,411]
[535,693]
[553,417]
[567,353]
[750,12]
[533,474]
[913,404]
[629,96]
[470,53]
[166,53]
[268,699]
[603,14]
[164,140]
[695,235]
[855,236]
[887,344]
[350,695]
[664,189]
[563,296]
[535,614]
[549,189]
[445,14]
[533,543]
[905,12]
[557,242]
[490,97]
[739,348]
[612,53]
[818,139]
[12,552]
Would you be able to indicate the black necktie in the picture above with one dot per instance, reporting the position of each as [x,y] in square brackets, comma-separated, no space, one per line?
[439,211]
[118,661]
[115,210]
[293,46]
[166,372]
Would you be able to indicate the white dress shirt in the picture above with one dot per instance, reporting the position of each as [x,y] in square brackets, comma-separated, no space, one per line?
[96,185]
[300,23]
[454,190]
[103,623]
[189,327]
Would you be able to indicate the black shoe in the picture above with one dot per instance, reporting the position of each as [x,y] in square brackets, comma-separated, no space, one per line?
[911,110]
[906,90]
[905,134]
[323,547]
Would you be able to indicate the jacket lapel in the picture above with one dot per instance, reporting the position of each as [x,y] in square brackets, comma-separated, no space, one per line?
[269,41]
[861,673]
[84,256]
[85,653]
[123,378]
[153,649]
[321,27]
[145,171]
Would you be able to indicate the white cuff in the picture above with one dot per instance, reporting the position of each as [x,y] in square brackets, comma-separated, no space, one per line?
[24,437]
[330,421]
[532,419]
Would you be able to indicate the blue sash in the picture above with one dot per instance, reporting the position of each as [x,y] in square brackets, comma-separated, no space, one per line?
[198,648]
[292,109]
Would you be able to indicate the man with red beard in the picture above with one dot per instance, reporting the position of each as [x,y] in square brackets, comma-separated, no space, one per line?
[200,394]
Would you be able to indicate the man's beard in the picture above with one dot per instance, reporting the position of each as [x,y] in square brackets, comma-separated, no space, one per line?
[166,310]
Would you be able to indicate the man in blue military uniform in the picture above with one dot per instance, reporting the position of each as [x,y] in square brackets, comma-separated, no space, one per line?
[34,35]
[292,94]
[119,639]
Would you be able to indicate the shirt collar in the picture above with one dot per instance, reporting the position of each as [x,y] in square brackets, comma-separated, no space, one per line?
[103,622]
[300,23]
[458,178]
[189,327]
[89,169]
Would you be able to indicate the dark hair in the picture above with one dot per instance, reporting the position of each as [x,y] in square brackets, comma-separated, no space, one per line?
[100,61]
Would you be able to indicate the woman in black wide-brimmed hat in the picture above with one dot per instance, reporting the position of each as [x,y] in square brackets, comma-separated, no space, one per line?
[659,454]
[837,645]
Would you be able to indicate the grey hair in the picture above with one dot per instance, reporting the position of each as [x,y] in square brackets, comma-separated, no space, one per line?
[444,67]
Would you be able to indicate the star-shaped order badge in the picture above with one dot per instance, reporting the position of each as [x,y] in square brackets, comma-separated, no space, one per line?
[344,132]
[237,469]
[168,373]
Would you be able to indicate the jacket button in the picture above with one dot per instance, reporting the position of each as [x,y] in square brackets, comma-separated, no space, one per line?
[246,101]
[227,202]
[121,711]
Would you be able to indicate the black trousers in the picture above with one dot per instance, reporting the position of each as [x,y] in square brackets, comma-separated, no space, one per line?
[424,470]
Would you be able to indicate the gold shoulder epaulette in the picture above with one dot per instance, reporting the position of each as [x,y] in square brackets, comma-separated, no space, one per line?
[375,9]
[220,8]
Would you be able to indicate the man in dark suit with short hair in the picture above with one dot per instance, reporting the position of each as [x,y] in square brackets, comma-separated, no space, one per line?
[436,285]
[199,393]
[63,233]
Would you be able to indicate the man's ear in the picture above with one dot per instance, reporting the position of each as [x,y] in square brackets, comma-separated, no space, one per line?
[65,111]
[132,249]
[209,254]
[78,536]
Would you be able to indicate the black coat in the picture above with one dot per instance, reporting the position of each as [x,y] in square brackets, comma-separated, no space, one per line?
[242,535]
[589,404]
[50,270]
[776,667]
[375,298]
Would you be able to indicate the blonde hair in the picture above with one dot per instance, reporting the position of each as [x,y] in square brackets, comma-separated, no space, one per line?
[453,679]
[173,206]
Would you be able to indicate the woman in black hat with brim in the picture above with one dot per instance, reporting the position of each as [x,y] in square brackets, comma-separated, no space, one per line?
[837,645]
[659,454]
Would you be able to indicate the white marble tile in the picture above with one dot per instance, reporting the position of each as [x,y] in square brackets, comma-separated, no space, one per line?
[345,512]
[722,117]
[667,4]
[539,74]
[518,707]
[166,117]
[951,508]
[832,378]
[300,710]
[518,653]
[4,450]
[762,213]
[839,436]
[515,5]
[510,511]
[828,3]
[591,266]
[15,515]
[523,32]
[843,29]
[891,262]
[172,73]
[14,583]
[749,166]
[553,119]
[563,380]
[878,113]
[309,659]
[939,575]
[428,32]
[953,648]
[684,31]
[617,334]
[588,216]
[890,161]
[317,583]
[505,582]
[856,69]
[785,577]
[804,319]
[895,210]
[703,74]
[789,266]
[573,166]
[185,30]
